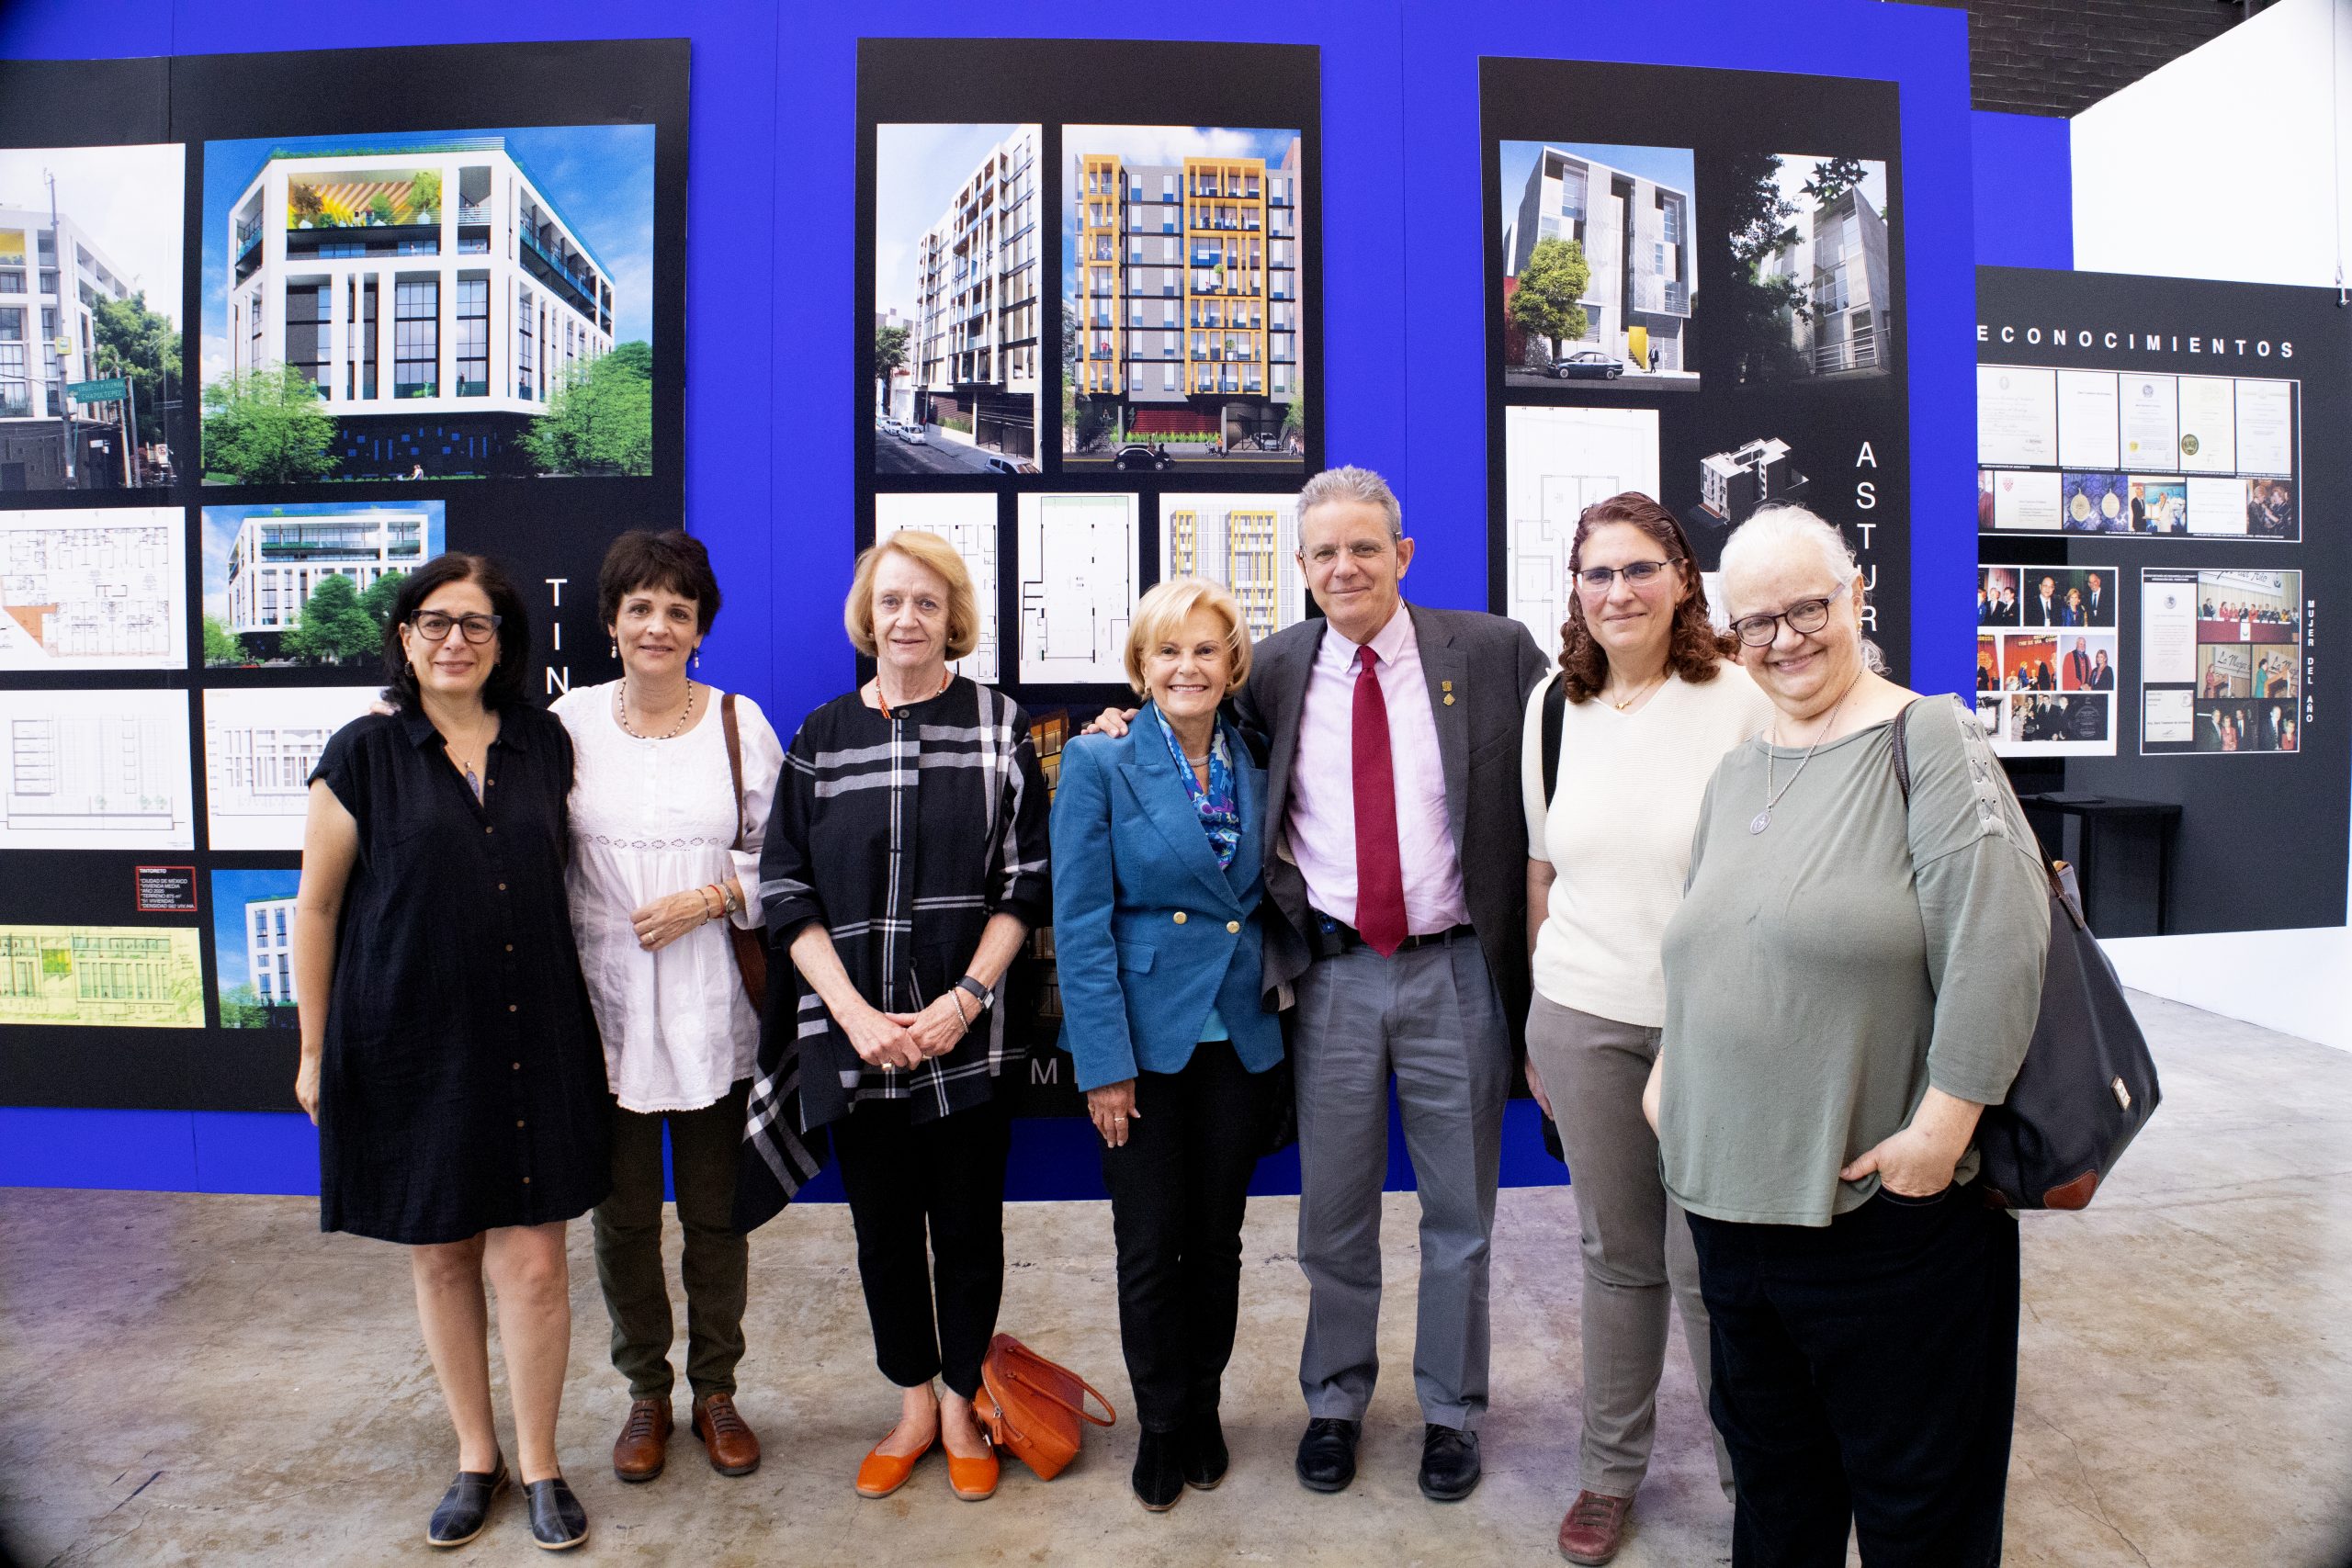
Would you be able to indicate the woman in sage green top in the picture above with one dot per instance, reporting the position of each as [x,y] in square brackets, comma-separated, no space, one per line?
[1849,982]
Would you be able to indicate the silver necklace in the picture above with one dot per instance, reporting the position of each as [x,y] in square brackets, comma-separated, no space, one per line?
[674,730]
[1763,818]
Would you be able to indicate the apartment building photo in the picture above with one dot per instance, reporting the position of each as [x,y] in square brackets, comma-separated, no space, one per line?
[1836,265]
[278,557]
[1184,279]
[975,350]
[434,294]
[1632,220]
[52,274]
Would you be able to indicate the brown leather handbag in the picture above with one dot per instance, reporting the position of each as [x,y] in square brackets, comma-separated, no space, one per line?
[1033,1406]
[751,946]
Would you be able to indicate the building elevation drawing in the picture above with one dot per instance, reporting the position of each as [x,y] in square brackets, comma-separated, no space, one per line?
[93,590]
[968,523]
[1636,234]
[1249,543]
[1837,260]
[1556,462]
[90,769]
[974,348]
[1079,559]
[260,745]
[435,287]
[102,975]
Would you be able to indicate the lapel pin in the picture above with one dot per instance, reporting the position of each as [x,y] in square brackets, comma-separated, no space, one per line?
[1449,699]
[1445,685]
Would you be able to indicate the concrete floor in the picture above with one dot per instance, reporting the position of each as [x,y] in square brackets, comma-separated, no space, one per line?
[203,1380]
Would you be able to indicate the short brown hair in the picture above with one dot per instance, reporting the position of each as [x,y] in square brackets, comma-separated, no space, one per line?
[1696,651]
[935,555]
[1168,605]
[672,560]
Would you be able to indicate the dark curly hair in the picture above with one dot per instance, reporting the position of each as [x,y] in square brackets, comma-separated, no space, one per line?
[672,560]
[505,682]
[1697,651]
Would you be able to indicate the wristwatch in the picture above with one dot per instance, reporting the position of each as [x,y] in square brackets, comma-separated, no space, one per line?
[978,992]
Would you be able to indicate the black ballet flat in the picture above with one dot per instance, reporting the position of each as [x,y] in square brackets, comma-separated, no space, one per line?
[558,1522]
[464,1511]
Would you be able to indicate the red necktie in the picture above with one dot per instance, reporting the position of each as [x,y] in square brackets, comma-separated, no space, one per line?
[1380,868]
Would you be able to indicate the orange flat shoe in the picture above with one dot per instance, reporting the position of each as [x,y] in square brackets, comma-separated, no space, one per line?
[882,1473]
[973,1479]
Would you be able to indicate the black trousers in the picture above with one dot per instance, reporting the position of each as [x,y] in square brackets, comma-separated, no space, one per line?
[1866,1373]
[1179,1188]
[942,1181]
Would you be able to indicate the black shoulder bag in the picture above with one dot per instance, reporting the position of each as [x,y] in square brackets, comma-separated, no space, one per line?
[2087,1084]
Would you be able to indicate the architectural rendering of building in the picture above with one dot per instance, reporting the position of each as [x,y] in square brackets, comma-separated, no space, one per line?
[1249,544]
[1839,258]
[1733,484]
[435,297]
[1636,234]
[276,562]
[1187,296]
[52,278]
[270,955]
[975,350]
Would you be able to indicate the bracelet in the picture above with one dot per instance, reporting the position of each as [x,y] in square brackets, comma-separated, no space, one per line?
[708,914]
[966,1018]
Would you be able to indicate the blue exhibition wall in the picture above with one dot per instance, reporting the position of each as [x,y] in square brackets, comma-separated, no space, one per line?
[774,389]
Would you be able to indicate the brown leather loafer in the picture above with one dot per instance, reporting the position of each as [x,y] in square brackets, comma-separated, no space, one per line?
[734,1448]
[1595,1527]
[641,1450]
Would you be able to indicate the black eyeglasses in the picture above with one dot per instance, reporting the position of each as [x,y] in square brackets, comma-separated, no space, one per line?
[433,627]
[1803,616]
[1597,579]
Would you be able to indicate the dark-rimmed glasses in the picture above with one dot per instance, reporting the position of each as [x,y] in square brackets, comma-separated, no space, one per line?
[433,627]
[1804,616]
[1640,574]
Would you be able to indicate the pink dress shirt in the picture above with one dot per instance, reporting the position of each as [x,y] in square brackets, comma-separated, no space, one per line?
[1321,819]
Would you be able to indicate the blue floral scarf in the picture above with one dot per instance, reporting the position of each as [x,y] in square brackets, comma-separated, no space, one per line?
[1218,807]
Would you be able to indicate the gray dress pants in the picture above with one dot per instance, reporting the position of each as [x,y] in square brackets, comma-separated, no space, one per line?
[1430,1017]
[1635,1239]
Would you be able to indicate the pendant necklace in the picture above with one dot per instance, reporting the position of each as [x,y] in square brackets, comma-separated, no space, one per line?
[1763,818]
[1649,686]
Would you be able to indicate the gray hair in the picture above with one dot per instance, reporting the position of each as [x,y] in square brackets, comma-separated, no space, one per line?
[1775,529]
[1352,484]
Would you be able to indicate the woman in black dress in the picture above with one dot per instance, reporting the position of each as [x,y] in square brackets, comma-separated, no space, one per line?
[450,1056]
[904,865]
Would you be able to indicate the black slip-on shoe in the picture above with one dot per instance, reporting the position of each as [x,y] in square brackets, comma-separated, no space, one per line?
[1449,1467]
[1159,1479]
[1327,1454]
[464,1509]
[1201,1451]
[558,1522]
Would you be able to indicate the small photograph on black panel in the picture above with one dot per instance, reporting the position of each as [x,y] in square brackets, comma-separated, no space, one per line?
[1813,295]
[252,950]
[429,305]
[1599,274]
[90,244]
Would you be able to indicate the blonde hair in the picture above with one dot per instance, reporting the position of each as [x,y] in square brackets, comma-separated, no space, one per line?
[1170,605]
[934,555]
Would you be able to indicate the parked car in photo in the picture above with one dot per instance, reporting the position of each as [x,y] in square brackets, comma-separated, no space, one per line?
[1264,440]
[1589,363]
[913,435]
[886,424]
[1135,457]
[999,465]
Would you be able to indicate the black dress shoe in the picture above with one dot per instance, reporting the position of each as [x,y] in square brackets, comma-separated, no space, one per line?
[1327,1454]
[465,1508]
[558,1522]
[1450,1468]
[1158,1478]
[1202,1451]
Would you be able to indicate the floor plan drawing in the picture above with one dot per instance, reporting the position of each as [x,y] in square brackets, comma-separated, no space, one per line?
[1556,462]
[118,977]
[1079,557]
[87,588]
[95,771]
[968,523]
[260,744]
[1249,543]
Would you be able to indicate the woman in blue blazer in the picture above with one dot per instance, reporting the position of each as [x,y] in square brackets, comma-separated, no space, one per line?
[1157,858]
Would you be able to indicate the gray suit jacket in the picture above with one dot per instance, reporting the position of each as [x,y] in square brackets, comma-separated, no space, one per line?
[1492,664]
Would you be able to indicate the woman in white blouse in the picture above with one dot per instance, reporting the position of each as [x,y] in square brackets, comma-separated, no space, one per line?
[666,830]
[1654,700]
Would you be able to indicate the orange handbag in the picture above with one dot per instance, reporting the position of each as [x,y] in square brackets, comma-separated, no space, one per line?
[1033,1406]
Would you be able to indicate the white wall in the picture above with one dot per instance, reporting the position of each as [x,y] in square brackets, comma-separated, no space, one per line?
[2234,161]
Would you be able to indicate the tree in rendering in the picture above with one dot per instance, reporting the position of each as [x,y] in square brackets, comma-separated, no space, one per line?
[889,359]
[378,600]
[242,1008]
[147,346]
[266,427]
[1833,177]
[1552,281]
[334,628]
[600,419]
[1757,309]
[222,646]
[1295,415]
[425,197]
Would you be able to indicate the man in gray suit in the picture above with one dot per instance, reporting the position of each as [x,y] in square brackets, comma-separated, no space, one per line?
[1396,863]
